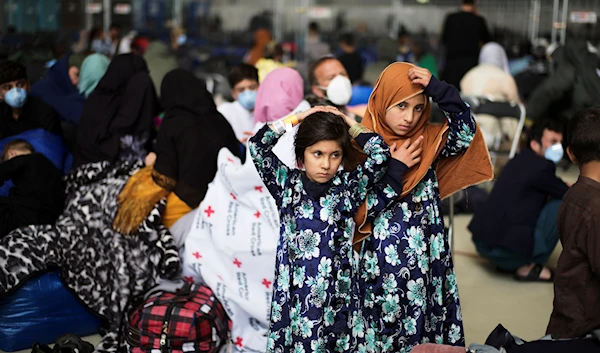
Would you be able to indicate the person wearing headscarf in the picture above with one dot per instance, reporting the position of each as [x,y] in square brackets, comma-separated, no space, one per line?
[92,70]
[281,93]
[59,88]
[190,138]
[262,38]
[491,77]
[161,61]
[404,246]
[117,118]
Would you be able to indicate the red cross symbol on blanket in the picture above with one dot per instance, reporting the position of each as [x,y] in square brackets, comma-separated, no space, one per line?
[209,211]
[188,279]
[266,283]
[237,263]
[233,195]
[258,188]
[230,160]
[257,214]
[197,255]
[238,342]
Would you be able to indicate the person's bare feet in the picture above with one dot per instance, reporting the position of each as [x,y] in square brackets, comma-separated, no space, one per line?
[524,272]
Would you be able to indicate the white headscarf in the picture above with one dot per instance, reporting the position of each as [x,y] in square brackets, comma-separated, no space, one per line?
[493,54]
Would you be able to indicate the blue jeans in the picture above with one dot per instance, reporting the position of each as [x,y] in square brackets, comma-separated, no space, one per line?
[545,240]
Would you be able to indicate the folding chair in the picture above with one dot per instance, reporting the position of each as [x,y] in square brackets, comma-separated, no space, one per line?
[485,105]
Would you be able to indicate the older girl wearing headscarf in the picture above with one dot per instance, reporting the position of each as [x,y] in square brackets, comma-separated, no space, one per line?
[408,281]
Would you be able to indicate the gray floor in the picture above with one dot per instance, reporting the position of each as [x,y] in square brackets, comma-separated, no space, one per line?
[489,298]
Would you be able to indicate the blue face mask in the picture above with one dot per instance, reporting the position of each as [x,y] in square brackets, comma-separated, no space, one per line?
[181,39]
[16,97]
[554,153]
[247,99]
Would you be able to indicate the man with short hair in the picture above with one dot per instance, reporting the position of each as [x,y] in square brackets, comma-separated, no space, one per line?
[18,111]
[330,85]
[464,33]
[516,228]
[243,80]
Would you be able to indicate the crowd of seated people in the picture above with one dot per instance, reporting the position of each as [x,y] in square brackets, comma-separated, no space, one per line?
[139,116]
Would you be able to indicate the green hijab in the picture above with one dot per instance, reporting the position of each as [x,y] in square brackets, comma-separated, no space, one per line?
[92,70]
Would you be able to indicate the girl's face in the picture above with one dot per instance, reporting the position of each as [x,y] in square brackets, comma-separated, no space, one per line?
[403,117]
[322,160]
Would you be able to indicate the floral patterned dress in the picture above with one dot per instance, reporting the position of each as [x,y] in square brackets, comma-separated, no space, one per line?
[316,303]
[407,279]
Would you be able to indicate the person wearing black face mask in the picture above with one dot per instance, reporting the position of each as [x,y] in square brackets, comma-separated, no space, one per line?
[18,111]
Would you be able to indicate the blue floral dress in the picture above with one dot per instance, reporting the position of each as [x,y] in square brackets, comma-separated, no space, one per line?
[316,303]
[407,279]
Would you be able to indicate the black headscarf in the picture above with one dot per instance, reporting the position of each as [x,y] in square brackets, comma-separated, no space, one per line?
[191,135]
[123,103]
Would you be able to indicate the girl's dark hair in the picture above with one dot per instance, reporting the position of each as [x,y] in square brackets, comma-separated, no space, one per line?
[322,126]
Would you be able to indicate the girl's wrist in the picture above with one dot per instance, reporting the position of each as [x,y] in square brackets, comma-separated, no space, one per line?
[291,119]
[357,129]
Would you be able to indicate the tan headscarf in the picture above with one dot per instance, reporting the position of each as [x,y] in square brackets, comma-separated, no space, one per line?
[454,173]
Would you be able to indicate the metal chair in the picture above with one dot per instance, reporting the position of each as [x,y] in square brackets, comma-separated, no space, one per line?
[485,105]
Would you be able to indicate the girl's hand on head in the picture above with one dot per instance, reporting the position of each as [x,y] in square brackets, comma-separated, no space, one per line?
[419,75]
[408,153]
[349,121]
[320,108]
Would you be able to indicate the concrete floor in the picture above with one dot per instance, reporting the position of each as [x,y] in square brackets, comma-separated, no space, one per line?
[488,297]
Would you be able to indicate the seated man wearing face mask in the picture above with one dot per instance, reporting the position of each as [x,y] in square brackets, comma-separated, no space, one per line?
[330,85]
[18,111]
[516,229]
[243,80]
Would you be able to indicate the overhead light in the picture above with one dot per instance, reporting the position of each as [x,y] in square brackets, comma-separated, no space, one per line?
[422,1]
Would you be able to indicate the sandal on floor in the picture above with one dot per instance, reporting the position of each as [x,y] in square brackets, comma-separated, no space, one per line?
[534,275]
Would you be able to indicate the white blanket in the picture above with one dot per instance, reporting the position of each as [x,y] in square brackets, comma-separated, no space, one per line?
[232,243]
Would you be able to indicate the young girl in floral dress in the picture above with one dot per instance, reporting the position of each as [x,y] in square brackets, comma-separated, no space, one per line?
[315,304]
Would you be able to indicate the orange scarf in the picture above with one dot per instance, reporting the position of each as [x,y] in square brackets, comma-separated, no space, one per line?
[262,37]
[453,173]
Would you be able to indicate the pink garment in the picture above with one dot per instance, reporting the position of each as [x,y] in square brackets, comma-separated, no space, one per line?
[278,94]
[437,348]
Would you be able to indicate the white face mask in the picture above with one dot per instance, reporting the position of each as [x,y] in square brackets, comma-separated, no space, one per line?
[339,91]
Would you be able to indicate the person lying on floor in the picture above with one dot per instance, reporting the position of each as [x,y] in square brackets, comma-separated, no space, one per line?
[577,286]
[516,228]
[38,194]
